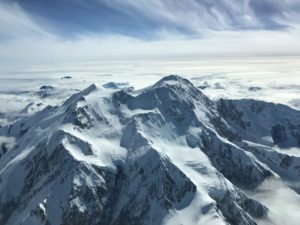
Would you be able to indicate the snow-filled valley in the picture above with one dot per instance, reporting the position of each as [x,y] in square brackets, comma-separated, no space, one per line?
[127,143]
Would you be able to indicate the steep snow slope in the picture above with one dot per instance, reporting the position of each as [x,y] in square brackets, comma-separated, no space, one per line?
[160,155]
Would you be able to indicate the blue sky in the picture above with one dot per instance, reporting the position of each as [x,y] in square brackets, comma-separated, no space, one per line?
[75,29]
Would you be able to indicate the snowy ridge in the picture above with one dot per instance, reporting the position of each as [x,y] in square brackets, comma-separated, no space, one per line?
[270,131]
[161,155]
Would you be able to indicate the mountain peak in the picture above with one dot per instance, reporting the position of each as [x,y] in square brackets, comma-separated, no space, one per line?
[172,77]
[172,80]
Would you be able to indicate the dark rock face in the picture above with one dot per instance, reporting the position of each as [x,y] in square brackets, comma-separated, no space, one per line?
[254,120]
[153,186]
[286,161]
[279,134]
[147,185]
[286,166]
[295,132]
[113,85]
[46,88]
[110,85]
[40,171]
[91,199]
[3,149]
[229,110]
[131,138]
[273,131]
[6,210]
[231,205]
[257,107]
[233,163]
[224,130]
[45,91]
[80,118]
[254,89]
[66,77]
[121,97]
[149,182]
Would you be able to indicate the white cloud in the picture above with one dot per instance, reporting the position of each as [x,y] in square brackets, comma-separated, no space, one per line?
[283,203]
[15,23]
[32,43]
[250,43]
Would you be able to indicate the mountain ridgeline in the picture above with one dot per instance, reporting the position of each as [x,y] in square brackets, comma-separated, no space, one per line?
[166,154]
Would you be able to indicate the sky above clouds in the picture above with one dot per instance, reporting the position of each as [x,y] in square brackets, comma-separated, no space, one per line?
[53,30]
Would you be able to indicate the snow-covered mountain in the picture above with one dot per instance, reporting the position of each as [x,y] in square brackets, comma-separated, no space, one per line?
[270,131]
[165,154]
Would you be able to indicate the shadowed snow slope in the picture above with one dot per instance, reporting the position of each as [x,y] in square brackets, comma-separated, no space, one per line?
[165,154]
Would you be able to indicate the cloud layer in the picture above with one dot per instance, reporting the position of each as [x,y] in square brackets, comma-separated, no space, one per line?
[55,29]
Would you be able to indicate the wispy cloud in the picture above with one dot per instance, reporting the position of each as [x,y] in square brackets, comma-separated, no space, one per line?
[58,30]
[283,203]
[144,19]
[15,23]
